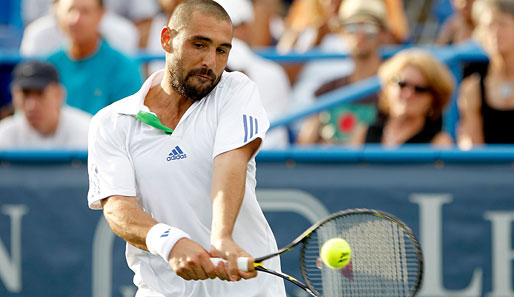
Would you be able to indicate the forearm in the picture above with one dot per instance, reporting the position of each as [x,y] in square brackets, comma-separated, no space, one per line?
[187,258]
[476,132]
[128,220]
[227,194]
[309,132]
[471,132]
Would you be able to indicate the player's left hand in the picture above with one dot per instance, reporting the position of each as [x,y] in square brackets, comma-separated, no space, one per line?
[227,249]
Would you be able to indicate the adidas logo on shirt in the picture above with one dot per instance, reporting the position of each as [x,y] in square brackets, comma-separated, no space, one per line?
[176,154]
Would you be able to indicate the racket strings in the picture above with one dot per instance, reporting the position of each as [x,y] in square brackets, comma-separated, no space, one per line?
[384,258]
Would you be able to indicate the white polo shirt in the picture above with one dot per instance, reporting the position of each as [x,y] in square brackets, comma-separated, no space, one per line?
[170,175]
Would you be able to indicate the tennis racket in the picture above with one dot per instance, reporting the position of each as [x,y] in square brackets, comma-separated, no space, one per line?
[386,257]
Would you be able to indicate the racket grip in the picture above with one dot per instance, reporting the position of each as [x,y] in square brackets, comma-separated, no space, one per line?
[242,262]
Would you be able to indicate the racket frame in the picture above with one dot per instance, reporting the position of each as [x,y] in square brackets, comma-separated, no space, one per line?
[303,238]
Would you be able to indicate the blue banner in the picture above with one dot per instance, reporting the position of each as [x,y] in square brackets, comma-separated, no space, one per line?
[51,244]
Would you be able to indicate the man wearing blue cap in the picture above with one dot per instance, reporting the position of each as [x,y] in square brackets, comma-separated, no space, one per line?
[40,121]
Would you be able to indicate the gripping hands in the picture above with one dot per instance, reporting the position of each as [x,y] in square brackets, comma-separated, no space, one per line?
[226,261]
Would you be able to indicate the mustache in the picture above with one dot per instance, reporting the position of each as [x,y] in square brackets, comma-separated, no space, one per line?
[203,71]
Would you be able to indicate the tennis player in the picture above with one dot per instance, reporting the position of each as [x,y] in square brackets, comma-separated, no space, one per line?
[173,167]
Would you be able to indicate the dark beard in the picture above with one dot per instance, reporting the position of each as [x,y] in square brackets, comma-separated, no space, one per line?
[183,84]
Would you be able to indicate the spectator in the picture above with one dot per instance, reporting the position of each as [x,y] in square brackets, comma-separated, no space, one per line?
[458,27]
[316,73]
[486,101]
[362,25]
[41,121]
[270,77]
[44,36]
[94,74]
[415,89]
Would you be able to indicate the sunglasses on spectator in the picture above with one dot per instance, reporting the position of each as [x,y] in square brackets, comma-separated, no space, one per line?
[417,88]
[369,29]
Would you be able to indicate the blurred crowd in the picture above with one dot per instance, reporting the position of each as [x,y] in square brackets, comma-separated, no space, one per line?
[80,56]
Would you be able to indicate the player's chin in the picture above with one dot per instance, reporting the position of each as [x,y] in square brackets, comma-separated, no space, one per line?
[205,87]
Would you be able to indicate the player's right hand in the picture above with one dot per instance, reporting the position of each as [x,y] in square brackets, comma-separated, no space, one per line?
[191,261]
[227,249]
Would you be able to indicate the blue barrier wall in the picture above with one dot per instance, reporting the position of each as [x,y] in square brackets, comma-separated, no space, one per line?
[459,204]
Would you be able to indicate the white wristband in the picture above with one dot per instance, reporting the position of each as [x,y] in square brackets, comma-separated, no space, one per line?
[161,239]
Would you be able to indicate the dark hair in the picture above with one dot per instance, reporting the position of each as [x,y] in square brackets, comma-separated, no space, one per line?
[183,13]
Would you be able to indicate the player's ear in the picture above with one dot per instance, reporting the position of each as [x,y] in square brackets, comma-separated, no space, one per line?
[167,35]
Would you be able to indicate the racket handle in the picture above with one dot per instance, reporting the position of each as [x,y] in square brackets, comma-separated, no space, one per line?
[242,262]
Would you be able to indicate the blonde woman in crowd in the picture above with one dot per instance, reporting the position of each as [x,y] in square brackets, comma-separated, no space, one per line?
[415,89]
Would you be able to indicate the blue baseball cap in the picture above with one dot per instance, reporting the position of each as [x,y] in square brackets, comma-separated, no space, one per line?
[34,75]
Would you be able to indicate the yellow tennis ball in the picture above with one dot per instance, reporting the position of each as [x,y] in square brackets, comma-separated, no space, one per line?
[336,253]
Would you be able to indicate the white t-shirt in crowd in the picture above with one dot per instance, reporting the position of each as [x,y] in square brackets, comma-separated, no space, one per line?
[71,133]
[171,175]
[43,36]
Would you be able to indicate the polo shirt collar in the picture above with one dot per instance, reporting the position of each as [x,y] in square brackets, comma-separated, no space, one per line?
[136,102]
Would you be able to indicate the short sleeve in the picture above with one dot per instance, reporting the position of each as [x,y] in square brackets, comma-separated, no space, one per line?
[241,116]
[109,167]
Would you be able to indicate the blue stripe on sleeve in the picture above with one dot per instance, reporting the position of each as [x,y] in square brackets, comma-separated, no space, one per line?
[245,127]
[256,126]
[251,126]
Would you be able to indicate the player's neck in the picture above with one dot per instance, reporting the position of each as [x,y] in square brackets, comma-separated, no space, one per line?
[168,106]
[169,96]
